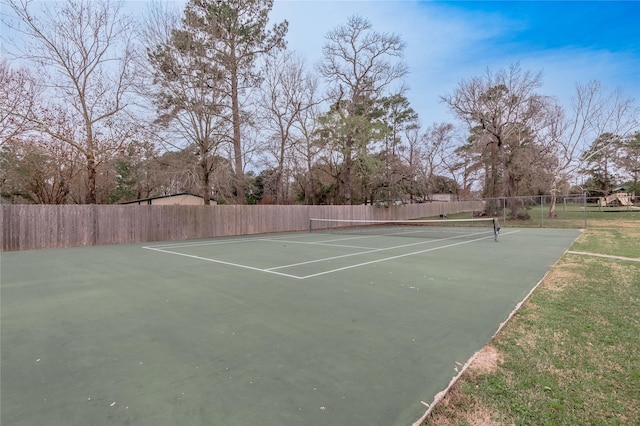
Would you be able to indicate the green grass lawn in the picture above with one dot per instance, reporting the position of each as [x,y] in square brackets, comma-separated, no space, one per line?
[569,356]
[573,216]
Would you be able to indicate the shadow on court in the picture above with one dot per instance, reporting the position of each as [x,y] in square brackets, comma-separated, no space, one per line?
[290,329]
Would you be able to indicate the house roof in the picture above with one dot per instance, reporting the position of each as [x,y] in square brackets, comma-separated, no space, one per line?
[159,197]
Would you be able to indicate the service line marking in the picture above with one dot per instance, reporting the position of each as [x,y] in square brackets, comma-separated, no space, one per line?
[273,270]
[320,243]
[404,255]
[371,250]
[214,243]
[253,268]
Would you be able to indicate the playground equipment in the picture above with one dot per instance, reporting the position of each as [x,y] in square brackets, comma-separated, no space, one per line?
[616,200]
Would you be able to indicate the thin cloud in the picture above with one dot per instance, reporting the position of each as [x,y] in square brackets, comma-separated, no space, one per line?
[451,41]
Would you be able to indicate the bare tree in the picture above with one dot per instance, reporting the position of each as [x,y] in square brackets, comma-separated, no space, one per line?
[308,150]
[592,113]
[18,97]
[83,50]
[504,114]
[411,157]
[360,65]
[157,25]
[436,142]
[287,93]
[38,169]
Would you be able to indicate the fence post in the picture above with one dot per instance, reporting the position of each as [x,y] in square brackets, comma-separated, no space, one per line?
[584,207]
[504,210]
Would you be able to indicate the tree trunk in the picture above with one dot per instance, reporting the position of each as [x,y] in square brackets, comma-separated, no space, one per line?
[280,187]
[206,183]
[348,165]
[235,118]
[91,180]
[312,181]
[516,205]
[237,147]
[552,204]
[492,179]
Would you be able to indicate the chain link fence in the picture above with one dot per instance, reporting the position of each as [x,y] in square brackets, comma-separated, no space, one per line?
[572,211]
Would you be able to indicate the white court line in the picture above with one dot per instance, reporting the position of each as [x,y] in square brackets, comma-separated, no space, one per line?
[209,243]
[402,255]
[273,271]
[369,250]
[224,263]
[606,256]
[213,243]
[284,237]
[315,243]
[359,237]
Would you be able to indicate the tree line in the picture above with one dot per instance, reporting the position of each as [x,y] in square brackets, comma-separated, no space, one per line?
[99,107]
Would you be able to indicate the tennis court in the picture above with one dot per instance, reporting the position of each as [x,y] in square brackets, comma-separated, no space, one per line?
[313,328]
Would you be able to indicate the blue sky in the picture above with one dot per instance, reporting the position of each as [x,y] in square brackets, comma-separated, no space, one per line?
[447,41]
[569,42]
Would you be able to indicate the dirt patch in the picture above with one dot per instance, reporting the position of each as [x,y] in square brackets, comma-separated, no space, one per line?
[487,361]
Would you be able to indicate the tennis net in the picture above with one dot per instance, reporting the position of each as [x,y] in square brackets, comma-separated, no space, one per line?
[437,228]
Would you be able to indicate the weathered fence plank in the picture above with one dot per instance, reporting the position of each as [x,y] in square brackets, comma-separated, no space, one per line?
[30,227]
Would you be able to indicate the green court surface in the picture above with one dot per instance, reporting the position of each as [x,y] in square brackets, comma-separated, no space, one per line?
[288,329]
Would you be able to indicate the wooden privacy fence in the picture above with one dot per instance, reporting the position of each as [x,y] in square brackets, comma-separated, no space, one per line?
[28,227]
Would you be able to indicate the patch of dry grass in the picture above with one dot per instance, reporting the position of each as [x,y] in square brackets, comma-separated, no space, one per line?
[486,361]
[561,276]
[457,407]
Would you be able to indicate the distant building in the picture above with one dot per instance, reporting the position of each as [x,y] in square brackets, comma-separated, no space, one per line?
[442,197]
[181,199]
